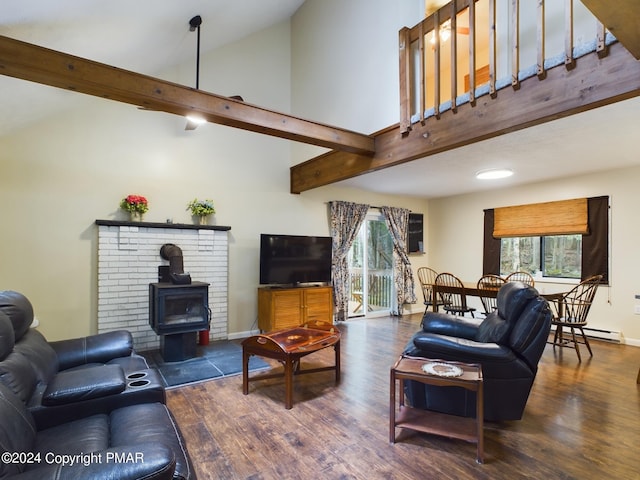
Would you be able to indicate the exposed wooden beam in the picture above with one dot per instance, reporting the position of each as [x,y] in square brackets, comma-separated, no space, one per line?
[49,67]
[593,83]
[621,19]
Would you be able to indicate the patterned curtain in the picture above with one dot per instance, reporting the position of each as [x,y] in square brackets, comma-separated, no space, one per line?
[346,218]
[397,220]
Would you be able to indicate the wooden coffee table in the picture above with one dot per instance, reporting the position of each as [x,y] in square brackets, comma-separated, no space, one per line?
[411,368]
[288,347]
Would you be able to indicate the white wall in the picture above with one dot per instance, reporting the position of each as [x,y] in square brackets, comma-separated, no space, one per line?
[345,61]
[59,175]
[455,229]
[345,73]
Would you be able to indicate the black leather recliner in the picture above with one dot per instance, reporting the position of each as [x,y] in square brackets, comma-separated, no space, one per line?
[508,344]
[91,395]
[129,443]
[71,378]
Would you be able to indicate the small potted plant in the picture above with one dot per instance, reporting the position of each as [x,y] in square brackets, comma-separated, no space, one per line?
[136,205]
[201,209]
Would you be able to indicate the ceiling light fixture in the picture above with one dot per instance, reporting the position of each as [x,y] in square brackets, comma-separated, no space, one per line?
[194,26]
[494,173]
[193,122]
[445,33]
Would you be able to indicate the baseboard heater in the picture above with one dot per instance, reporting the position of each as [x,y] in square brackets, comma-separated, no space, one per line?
[599,334]
[607,335]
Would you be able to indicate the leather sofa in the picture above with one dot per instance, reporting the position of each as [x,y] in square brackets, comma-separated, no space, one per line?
[508,344]
[84,395]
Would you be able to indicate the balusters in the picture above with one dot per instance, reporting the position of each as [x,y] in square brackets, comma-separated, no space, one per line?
[492,47]
[404,42]
[422,76]
[453,24]
[472,52]
[436,44]
[540,40]
[568,34]
[422,104]
[515,47]
[601,47]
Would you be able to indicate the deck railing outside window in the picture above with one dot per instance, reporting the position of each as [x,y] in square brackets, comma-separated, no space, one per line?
[380,290]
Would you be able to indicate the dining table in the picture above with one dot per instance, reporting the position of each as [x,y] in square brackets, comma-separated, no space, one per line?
[472,290]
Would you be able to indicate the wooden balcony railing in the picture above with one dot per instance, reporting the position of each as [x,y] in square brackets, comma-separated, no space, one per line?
[489,54]
[585,70]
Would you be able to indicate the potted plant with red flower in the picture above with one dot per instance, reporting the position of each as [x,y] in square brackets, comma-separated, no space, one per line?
[136,205]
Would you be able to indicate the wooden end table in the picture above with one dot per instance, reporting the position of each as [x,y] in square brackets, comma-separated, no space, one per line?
[453,426]
[288,347]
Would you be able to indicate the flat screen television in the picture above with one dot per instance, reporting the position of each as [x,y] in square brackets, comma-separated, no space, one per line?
[294,259]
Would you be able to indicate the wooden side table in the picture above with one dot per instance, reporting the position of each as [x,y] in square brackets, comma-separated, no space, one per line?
[453,426]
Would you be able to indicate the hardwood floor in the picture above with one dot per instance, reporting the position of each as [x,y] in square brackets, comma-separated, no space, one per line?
[581,421]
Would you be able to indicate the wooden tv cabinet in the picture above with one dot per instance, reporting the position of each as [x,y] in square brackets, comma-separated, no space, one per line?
[280,308]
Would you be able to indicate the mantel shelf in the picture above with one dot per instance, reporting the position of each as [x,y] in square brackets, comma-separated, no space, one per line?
[127,223]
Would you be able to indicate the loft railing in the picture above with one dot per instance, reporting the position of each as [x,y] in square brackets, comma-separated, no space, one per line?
[487,42]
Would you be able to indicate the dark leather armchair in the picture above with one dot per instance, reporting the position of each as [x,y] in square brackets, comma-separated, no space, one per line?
[61,381]
[131,442]
[91,395]
[508,344]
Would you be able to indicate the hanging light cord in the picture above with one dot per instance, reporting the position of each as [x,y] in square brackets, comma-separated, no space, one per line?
[194,24]
[198,61]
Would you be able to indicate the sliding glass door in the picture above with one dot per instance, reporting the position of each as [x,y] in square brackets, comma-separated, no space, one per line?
[371,269]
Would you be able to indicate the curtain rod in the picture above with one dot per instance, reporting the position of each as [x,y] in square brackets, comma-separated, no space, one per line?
[378,208]
[370,206]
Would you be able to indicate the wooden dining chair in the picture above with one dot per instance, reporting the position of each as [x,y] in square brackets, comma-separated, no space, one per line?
[454,303]
[490,282]
[523,277]
[571,313]
[427,277]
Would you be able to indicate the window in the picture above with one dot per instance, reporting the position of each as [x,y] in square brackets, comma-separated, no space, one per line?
[519,254]
[558,256]
[571,254]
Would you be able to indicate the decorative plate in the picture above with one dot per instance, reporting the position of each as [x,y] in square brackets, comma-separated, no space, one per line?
[442,369]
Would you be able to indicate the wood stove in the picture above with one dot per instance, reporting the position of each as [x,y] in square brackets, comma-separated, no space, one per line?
[177,313]
[178,307]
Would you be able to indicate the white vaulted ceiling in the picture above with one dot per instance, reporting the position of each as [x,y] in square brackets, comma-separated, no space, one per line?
[151,36]
[144,36]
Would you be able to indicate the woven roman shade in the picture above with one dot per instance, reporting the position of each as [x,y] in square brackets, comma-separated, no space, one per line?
[564,217]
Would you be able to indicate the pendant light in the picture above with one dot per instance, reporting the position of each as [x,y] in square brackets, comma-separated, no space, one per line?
[194,120]
[194,26]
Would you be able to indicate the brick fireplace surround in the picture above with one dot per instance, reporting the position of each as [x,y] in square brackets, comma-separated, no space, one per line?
[128,260]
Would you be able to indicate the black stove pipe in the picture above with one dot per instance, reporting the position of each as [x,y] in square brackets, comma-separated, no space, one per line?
[173,253]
